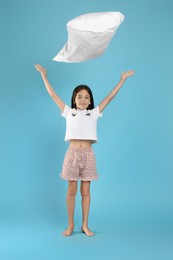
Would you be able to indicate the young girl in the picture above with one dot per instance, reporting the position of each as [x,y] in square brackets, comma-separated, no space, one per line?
[81,133]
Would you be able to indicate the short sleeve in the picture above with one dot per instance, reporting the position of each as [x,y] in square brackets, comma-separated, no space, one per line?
[96,112]
[67,109]
[99,114]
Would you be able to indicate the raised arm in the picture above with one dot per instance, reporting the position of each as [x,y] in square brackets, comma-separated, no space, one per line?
[50,90]
[113,93]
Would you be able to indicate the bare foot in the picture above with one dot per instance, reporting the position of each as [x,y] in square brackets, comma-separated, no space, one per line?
[87,231]
[68,231]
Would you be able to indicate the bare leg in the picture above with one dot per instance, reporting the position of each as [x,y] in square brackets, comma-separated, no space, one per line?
[70,200]
[85,192]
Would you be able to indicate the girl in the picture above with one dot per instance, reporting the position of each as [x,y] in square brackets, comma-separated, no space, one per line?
[79,162]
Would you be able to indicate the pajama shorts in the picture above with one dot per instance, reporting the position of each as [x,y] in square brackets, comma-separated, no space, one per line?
[79,164]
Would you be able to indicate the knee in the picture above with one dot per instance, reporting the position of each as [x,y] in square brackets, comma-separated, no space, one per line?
[72,192]
[85,193]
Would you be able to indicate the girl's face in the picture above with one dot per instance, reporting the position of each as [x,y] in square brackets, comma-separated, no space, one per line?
[82,99]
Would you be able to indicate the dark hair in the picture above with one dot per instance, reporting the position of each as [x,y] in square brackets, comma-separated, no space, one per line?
[76,90]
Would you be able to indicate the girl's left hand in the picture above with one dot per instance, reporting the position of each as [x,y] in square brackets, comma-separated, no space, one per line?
[127,74]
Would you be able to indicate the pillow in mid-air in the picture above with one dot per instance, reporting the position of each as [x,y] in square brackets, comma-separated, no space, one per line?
[89,35]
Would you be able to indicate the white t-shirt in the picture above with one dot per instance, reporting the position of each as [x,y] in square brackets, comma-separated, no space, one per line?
[81,124]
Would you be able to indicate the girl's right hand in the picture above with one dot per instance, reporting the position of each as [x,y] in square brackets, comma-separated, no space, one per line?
[40,69]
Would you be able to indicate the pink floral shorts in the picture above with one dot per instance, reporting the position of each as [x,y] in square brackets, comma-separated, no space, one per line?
[79,164]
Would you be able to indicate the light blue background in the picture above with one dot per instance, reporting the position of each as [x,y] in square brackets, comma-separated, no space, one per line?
[131,210]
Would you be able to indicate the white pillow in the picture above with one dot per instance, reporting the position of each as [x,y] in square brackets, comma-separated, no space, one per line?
[89,35]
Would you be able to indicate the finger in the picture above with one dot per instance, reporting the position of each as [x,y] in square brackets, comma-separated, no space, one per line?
[36,66]
[37,69]
[130,72]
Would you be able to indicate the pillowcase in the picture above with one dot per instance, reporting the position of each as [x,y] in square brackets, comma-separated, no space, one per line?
[89,35]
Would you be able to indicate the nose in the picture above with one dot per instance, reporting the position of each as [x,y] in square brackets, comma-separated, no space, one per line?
[83,100]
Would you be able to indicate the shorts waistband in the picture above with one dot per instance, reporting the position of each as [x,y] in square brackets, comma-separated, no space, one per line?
[80,149]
